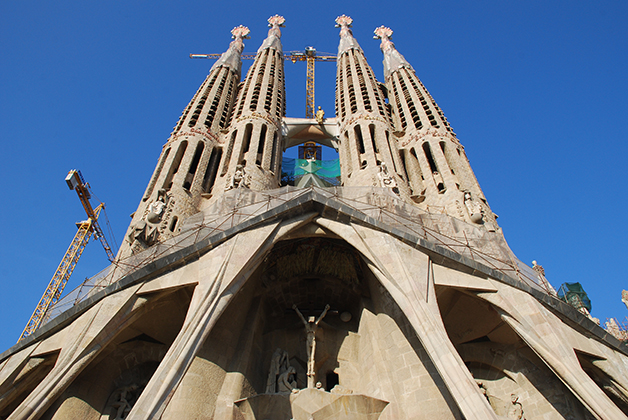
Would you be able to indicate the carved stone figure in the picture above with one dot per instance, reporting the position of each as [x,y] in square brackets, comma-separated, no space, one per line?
[624,297]
[124,402]
[483,390]
[385,179]
[320,115]
[278,365]
[157,208]
[142,233]
[287,380]
[239,179]
[473,208]
[311,325]
[515,411]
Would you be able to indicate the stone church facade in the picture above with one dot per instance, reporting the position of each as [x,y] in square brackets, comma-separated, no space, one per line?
[391,296]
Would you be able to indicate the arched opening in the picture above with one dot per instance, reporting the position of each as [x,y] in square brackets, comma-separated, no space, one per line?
[111,384]
[258,349]
[174,166]
[499,360]
[189,178]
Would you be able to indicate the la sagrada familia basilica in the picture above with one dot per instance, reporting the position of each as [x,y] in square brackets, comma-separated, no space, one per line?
[391,294]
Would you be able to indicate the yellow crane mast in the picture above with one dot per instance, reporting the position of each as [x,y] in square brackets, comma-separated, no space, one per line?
[310,56]
[61,276]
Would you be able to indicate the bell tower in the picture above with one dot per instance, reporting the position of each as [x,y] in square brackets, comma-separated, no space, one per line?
[253,144]
[439,172]
[368,153]
[187,168]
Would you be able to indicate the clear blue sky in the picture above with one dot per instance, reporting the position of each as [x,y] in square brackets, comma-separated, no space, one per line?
[535,90]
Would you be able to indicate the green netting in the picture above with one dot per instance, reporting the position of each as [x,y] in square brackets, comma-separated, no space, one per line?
[574,294]
[292,170]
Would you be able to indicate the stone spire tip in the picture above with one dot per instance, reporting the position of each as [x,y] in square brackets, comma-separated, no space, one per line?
[393,60]
[276,21]
[274,33]
[343,21]
[347,41]
[383,32]
[241,32]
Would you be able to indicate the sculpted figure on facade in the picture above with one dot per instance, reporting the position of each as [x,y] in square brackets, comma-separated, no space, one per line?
[239,179]
[157,208]
[141,234]
[320,115]
[385,179]
[515,411]
[124,399]
[473,208]
[311,325]
[287,380]
[278,365]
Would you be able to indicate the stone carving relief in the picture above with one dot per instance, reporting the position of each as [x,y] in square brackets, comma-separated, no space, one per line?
[142,235]
[287,380]
[121,402]
[385,179]
[515,411]
[311,325]
[239,179]
[146,231]
[157,208]
[281,376]
[624,297]
[473,208]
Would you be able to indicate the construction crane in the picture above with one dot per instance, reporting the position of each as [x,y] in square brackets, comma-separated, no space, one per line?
[310,56]
[86,228]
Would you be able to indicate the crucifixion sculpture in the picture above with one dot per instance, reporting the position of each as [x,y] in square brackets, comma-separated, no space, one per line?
[311,325]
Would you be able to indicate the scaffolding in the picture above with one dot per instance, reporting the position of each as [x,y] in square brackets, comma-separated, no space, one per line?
[574,294]
[239,205]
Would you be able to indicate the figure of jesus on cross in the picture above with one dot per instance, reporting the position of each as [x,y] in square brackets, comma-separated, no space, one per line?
[311,325]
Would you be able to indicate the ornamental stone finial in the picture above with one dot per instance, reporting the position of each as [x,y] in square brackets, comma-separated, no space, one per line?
[240,32]
[383,32]
[347,41]
[276,21]
[343,21]
[231,58]
[393,60]
[273,40]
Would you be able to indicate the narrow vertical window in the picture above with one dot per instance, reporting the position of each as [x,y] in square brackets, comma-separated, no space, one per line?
[260,144]
[212,169]
[372,133]
[246,141]
[189,178]
[358,138]
[225,165]
[175,165]
[173,223]
[273,154]
[430,158]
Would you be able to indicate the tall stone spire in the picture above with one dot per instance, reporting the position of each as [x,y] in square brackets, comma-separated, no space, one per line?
[253,148]
[367,152]
[188,165]
[437,166]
